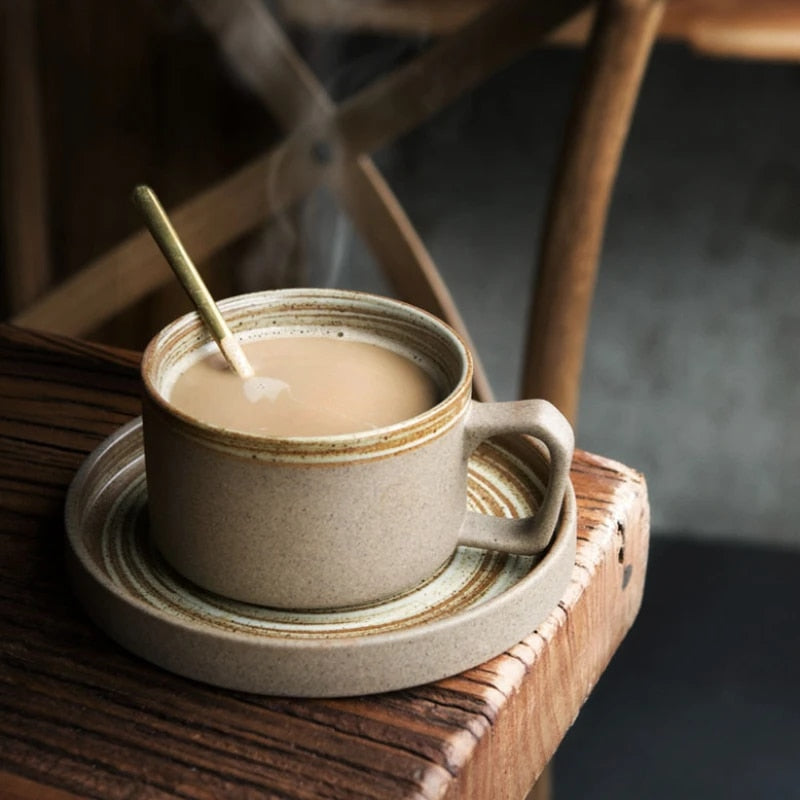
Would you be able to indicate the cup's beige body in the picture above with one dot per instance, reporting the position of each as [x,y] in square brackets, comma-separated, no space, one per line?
[333,521]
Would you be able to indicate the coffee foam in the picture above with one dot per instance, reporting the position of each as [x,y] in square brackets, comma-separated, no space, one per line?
[304,386]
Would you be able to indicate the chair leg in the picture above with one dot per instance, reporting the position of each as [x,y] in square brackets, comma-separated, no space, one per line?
[543,788]
[616,57]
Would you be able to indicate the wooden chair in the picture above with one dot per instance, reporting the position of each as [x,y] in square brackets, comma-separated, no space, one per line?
[331,144]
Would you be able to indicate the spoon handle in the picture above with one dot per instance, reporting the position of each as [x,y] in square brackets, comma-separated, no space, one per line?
[171,246]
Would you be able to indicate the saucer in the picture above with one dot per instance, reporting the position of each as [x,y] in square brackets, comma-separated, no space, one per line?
[476,607]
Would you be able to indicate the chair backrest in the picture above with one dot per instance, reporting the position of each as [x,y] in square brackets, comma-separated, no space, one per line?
[617,53]
[329,143]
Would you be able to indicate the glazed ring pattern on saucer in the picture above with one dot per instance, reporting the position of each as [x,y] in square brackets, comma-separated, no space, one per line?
[479,604]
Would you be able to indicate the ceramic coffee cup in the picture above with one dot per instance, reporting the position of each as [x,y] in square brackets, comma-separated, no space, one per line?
[342,520]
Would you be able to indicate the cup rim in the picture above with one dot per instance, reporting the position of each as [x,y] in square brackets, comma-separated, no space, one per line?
[446,409]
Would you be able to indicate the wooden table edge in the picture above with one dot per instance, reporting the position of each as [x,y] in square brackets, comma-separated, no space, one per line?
[518,726]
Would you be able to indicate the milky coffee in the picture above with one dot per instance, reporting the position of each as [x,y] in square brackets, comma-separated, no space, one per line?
[306,386]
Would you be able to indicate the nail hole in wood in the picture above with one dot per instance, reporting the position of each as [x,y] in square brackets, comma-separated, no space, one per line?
[626,575]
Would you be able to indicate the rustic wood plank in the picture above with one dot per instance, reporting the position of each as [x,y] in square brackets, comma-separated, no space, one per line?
[573,235]
[259,52]
[368,120]
[79,717]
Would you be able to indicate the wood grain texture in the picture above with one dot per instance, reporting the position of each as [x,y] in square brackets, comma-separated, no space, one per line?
[79,717]
[573,235]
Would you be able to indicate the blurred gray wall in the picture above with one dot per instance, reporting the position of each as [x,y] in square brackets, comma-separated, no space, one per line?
[692,372]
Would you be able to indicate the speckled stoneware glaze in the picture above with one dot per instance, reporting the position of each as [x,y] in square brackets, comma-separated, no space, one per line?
[335,521]
[477,606]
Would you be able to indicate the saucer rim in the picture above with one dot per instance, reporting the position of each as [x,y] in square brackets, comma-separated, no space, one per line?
[88,578]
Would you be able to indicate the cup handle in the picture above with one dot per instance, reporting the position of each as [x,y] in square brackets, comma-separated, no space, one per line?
[543,421]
